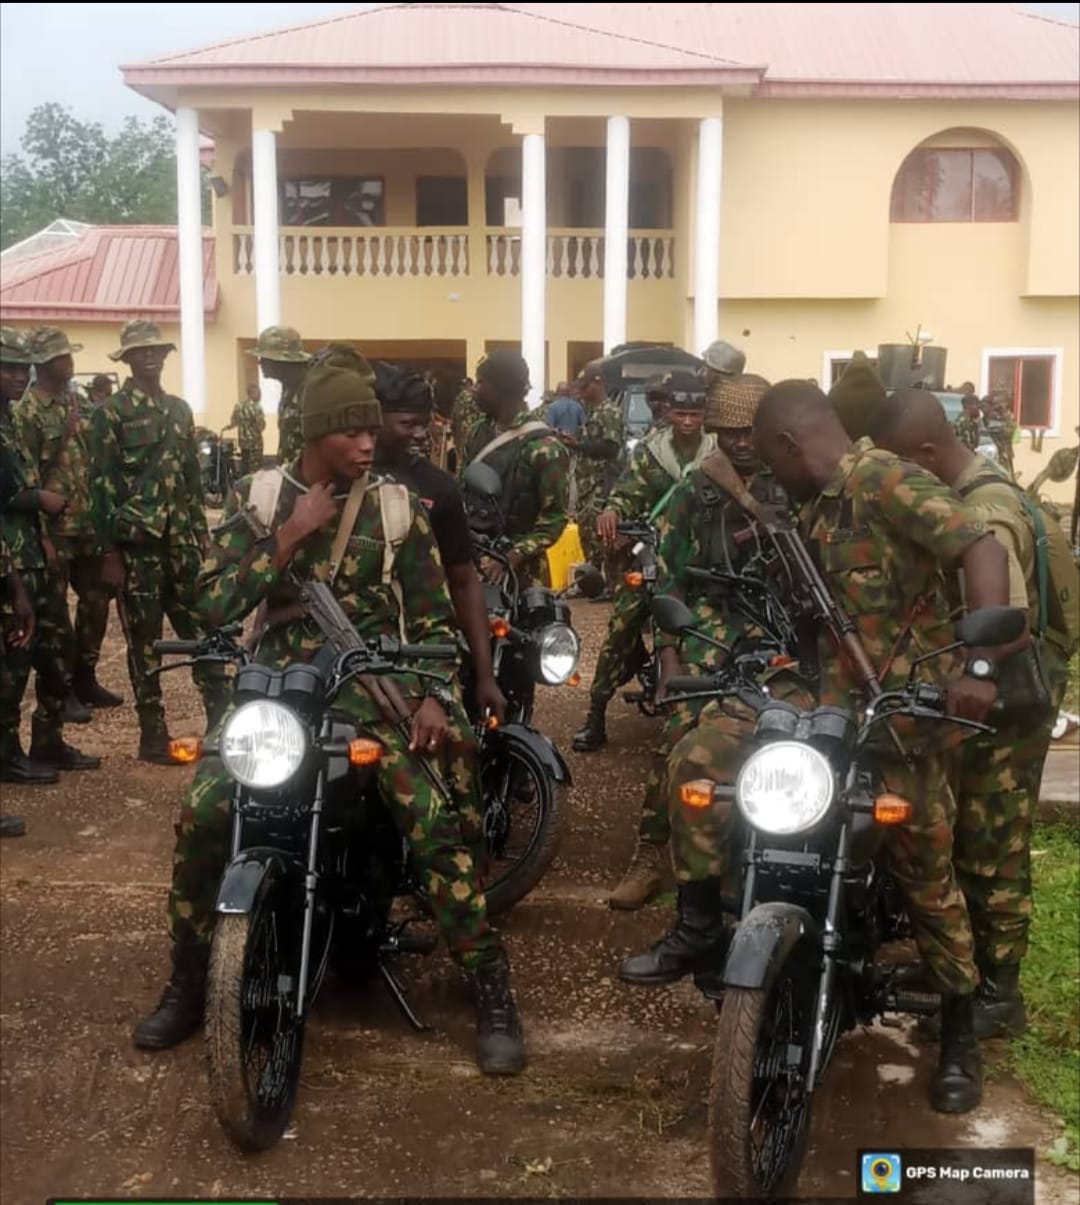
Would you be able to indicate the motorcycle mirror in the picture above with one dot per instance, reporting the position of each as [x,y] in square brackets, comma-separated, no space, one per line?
[590,582]
[672,615]
[991,626]
[483,480]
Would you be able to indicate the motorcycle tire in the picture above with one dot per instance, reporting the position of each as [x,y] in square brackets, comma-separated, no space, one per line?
[759,1109]
[254,1041]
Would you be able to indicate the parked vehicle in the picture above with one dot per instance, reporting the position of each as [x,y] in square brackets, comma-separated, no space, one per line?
[219,464]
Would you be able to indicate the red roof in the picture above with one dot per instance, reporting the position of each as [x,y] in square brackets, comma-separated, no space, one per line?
[777,49]
[111,273]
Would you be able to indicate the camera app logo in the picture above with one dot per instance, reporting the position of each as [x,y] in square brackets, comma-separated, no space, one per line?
[880,1173]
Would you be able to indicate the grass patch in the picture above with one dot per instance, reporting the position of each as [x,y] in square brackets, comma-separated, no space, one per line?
[1072,688]
[1047,1057]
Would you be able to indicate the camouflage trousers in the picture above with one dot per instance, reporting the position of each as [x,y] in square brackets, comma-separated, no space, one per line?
[919,854]
[444,840]
[49,655]
[623,651]
[997,794]
[251,459]
[82,571]
[160,582]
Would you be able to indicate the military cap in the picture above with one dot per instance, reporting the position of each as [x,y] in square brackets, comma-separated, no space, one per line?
[14,347]
[733,401]
[50,343]
[722,357]
[857,396]
[139,333]
[281,343]
[338,399]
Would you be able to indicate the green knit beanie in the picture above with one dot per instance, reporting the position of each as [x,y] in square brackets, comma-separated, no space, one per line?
[857,396]
[338,399]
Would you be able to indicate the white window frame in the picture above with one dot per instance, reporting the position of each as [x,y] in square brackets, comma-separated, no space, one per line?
[829,358]
[1057,354]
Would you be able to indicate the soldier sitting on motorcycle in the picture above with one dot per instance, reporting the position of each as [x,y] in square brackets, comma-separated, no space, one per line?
[385,592]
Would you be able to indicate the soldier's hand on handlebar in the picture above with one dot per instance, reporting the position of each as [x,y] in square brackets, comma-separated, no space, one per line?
[490,698]
[971,698]
[607,524]
[429,727]
[491,570]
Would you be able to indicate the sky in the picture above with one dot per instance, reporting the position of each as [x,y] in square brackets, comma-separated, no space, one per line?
[85,44]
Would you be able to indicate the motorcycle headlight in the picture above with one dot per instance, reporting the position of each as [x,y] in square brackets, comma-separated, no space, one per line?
[206,448]
[263,745]
[559,651]
[785,788]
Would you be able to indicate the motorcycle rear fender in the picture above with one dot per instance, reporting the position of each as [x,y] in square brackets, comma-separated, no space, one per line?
[763,940]
[542,749]
[245,876]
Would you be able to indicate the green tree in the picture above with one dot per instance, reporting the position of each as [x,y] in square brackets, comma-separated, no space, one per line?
[73,169]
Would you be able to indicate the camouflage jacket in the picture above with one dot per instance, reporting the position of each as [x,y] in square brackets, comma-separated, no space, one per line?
[535,497]
[464,417]
[290,436]
[967,431]
[53,436]
[645,481]
[886,532]
[250,422]
[22,528]
[146,482]
[595,469]
[239,573]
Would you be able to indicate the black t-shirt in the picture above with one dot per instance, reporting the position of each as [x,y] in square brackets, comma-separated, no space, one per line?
[445,505]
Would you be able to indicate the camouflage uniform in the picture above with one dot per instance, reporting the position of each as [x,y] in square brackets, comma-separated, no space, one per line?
[283,345]
[535,475]
[464,417]
[250,423]
[147,503]
[642,489]
[236,576]
[596,471]
[968,431]
[883,528]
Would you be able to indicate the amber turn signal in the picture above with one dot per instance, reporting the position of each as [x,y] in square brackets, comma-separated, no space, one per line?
[491,723]
[185,749]
[780,660]
[364,752]
[574,679]
[891,809]
[696,794]
[500,628]
[634,579]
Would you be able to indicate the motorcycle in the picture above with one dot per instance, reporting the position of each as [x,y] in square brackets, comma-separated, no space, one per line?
[816,902]
[219,464]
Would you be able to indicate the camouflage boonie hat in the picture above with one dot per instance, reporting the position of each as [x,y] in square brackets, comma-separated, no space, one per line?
[281,343]
[49,343]
[733,402]
[14,347]
[136,334]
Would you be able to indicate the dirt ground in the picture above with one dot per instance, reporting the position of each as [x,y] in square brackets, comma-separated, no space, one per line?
[612,1103]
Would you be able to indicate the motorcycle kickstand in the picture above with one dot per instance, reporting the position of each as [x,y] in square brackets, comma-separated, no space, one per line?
[398,994]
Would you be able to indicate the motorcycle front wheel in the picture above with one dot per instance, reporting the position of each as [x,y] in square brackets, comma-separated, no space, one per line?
[254,1040]
[759,1098]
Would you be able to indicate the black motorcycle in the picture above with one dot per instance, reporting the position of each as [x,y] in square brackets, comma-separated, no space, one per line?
[219,464]
[816,903]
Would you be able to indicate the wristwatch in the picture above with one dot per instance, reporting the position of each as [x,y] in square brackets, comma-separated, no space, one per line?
[981,668]
[442,695]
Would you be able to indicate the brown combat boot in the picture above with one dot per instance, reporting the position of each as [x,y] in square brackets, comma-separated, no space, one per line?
[641,880]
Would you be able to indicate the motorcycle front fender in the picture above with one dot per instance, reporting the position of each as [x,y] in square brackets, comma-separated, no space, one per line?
[245,877]
[762,941]
[542,749]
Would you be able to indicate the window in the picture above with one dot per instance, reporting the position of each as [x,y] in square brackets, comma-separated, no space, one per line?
[836,364]
[951,185]
[1028,382]
[442,201]
[332,201]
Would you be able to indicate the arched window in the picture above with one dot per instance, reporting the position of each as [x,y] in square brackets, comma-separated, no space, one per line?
[957,184]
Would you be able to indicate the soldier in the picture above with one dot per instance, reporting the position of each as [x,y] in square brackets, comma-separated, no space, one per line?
[250,423]
[1001,423]
[54,431]
[1000,773]
[100,390]
[13,600]
[969,425]
[531,463]
[281,355]
[33,558]
[464,415]
[147,501]
[657,463]
[883,529]
[723,363]
[701,527]
[340,418]
[598,457]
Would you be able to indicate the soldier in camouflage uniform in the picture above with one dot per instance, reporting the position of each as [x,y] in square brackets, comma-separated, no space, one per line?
[969,425]
[657,463]
[531,463]
[33,557]
[1000,772]
[147,502]
[54,432]
[883,529]
[281,356]
[464,415]
[250,423]
[598,457]
[340,420]
[13,599]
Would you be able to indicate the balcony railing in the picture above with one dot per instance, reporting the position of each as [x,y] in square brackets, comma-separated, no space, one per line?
[387,251]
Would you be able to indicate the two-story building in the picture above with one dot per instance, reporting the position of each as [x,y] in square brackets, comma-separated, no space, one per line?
[433,181]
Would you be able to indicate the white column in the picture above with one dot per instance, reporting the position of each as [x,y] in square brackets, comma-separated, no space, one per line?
[267,281]
[190,251]
[707,232]
[616,231]
[533,260]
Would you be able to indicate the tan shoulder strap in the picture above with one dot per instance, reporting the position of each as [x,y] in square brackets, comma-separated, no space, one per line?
[348,521]
[396,511]
[530,428]
[720,471]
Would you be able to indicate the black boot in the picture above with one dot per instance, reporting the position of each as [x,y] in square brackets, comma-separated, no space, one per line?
[76,712]
[180,1010]
[12,826]
[47,745]
[698,941]
[15,766]
[154,747]
[89,690]
[500,1046]
[593,733]
[999,1006]
[957,1083]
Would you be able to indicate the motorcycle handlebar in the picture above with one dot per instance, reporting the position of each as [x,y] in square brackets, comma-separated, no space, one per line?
[184,648]
[686,684]
[431,652]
